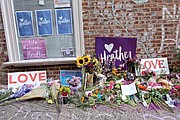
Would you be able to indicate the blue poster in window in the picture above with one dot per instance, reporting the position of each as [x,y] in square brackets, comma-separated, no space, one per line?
[64,21]
[24,23]
[44,22]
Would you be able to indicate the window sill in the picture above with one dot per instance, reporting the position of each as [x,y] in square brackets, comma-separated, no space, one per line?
[40,62]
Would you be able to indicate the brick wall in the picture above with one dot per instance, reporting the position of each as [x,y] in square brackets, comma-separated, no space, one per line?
[3,51]
[155,23]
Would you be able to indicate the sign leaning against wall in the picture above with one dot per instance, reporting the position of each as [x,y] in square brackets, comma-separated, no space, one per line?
[114,47]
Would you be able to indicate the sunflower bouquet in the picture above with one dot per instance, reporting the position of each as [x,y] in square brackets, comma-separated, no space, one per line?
[90,63]
[90,66]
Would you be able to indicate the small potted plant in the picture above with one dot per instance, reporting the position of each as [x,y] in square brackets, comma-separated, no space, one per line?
[65,91]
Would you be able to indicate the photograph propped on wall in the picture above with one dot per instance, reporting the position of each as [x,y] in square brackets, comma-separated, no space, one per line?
[67,76]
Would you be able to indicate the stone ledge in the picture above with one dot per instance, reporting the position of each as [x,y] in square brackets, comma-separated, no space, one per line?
[40,62]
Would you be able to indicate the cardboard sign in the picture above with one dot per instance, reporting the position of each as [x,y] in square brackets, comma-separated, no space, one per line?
[20,78]
[158,65]
[115,47]
[34,48]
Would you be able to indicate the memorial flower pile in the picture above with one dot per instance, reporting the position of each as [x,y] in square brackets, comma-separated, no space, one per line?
[152,90]
[104,83]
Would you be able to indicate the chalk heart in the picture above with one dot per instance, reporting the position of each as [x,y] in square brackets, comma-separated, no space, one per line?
[109,47]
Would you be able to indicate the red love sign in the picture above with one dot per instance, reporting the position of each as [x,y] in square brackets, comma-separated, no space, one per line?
[19,78]
[156,64]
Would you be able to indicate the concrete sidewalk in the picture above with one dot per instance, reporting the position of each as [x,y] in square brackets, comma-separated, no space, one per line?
[40,110]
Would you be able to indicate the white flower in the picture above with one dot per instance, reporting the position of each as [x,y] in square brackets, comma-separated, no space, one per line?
[123,97]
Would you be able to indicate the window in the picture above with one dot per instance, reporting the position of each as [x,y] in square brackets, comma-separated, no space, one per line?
[42,31]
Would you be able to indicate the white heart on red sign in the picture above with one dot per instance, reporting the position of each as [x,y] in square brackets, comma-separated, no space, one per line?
[109,47]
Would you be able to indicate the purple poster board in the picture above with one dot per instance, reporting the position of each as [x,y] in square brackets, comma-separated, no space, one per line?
[115,47]
[33,48]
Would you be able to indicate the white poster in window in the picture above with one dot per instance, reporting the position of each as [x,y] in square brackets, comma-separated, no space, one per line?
[24,22]
[64,21]
[62,3]
[44,22]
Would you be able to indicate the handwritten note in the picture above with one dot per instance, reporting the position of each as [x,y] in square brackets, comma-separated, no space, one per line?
[129,89]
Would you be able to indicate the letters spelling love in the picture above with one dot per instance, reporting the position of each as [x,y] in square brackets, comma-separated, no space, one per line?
[23,78]
[158,65]
[151,64]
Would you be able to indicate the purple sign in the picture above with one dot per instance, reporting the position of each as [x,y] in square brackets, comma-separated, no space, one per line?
[34,48]
[115,47]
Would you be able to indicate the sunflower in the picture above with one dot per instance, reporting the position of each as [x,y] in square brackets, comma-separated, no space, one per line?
[80,61]
[95,62]
[87,59]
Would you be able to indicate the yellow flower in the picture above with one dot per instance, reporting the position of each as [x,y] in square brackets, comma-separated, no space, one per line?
[114,72]
[92,104]
[64,89]
[94,95]
[61,89]
[97,91]
[80,61]
[86,59]
[95,61]
[50,102]
[114,69]
[82,99]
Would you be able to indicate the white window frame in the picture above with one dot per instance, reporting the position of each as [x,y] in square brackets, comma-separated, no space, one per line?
[12,38]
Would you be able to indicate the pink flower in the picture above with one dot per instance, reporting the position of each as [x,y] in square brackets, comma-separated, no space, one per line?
[177,86]
[149,71]
[111,84]
[153,84]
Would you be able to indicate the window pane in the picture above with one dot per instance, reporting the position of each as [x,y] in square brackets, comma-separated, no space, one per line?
[57,45]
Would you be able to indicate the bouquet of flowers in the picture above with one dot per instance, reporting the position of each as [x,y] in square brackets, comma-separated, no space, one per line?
[90,67]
